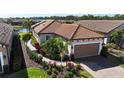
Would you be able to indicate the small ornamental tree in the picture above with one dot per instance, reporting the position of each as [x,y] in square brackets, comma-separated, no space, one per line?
[54,47]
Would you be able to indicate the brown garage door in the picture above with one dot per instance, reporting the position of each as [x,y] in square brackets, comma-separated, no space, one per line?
[86,50]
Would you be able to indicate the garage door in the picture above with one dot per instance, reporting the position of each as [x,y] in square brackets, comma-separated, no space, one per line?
[86,50]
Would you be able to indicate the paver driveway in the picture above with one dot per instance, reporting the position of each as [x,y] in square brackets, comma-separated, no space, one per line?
[101,67]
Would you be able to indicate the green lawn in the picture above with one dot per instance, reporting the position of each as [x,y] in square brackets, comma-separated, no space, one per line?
[17,27]
[85,74]
[29,73]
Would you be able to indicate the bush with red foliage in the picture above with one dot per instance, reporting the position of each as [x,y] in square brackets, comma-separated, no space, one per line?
[37,46]
[70,65]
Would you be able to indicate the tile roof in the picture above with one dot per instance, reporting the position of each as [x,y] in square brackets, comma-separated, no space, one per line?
[5,33]
[68,31]
[86,33]
[104,26]
[41,25]
[52,27]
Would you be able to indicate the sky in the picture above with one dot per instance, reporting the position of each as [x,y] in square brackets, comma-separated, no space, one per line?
[20,8]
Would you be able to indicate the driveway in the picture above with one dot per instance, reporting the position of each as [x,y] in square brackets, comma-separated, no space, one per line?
[101,67]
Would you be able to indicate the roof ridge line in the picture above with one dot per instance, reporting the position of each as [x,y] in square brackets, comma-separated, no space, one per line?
[91,29]
[75,31]
[47,26]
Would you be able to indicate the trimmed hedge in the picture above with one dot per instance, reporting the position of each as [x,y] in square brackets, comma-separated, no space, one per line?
[25,36]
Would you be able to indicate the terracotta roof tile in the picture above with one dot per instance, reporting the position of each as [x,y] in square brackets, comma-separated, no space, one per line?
[52,27]
[66,30]
[85,33]
[42,25]
[104,26]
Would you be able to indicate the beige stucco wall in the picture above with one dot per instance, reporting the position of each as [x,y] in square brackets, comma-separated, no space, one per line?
[43,37]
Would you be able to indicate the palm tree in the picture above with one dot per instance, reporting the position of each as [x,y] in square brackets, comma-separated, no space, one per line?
[27,24]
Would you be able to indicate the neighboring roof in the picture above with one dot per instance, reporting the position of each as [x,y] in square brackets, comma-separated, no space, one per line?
[68,31]
[5,33]
[104,26]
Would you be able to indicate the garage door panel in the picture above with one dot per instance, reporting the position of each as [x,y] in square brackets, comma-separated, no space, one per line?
[85,50]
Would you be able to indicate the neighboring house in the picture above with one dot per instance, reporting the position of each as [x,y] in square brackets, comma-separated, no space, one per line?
[82,42]
[6,33]
[105,27]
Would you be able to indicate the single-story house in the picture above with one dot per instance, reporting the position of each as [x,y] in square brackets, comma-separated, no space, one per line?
[84,42]
[6,34]
[106,27]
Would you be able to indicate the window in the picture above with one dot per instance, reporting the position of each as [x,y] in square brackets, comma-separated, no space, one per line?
[47,37]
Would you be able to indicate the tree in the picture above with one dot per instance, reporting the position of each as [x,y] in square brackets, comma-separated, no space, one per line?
[55,47]
[27,24]
[118,37]
[9,21]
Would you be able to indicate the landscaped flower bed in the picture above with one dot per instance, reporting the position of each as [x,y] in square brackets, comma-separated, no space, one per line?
[68,71]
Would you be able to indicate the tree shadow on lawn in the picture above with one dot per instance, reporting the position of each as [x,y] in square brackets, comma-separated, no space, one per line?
[99,62]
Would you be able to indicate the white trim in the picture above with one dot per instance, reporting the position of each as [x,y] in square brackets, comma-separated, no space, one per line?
[105,40]
[2,61]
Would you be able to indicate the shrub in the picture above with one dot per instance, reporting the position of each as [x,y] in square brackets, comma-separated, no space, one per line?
[41,51]
[65,58]
[33,41]
[49,72]
[78,66]
[45,65]
[111,45]
[59,68]
[54,70]
[66,75]
[34,56]
[121,59]
[74,71]
[54,75]
[104,51]
[37,46]
[70,74]
[70,65]
[25,36]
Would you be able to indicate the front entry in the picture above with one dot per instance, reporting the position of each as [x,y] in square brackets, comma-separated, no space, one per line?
[86,50]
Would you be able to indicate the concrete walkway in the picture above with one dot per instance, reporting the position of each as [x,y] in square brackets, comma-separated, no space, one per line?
[29,45]
[100,67]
